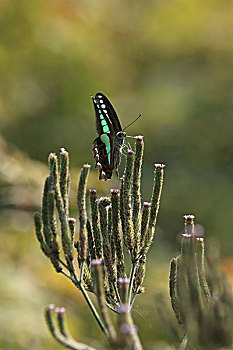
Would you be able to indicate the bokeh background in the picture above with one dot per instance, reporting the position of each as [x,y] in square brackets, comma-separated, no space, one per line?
[172,61]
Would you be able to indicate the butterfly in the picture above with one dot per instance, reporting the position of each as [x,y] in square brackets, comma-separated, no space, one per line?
[107,147]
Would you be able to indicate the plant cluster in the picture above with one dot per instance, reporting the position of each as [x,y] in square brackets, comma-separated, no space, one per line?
[120,224]
[95,263]
[201,296]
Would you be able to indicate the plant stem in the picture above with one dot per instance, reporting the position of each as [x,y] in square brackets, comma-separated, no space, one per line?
[80,286]
[93,310]
[63,264]
[133,269]
[134,297]
[117,293]
[184,343]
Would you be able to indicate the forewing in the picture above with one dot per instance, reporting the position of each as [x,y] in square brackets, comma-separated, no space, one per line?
[103,122]
[108,111]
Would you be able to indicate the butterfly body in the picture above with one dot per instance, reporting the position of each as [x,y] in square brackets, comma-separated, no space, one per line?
[107,147]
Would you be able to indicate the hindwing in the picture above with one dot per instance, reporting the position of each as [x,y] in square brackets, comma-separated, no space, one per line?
[103,154]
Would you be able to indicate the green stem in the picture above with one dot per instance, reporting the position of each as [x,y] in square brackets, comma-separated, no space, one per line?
[93,310]
[184,343]
[117,293]
[63,264]
[70,278]
[111,308]
[133,270]
[80,286]
[81,271]
[134,297]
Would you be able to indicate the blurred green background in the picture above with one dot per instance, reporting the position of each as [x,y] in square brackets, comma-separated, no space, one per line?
[172,61]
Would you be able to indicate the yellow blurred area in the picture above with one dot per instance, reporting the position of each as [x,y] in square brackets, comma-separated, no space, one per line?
[227,266]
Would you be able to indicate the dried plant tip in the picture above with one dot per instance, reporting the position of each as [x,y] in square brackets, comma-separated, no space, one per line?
[157,190]
[140,273]
[61,320]
[60,310]
[45,214]
[155,202]
[64,177]
[91,242]
[144,225]
[186,235]
[51,213]
[53,167]
[136,194]
[116,243]
[111,269]
[77,247]
[189,224]
[72,223]
[92,191]
[123,280]
[126,214]
[96,262]
[95,223]
[200,252]
[104,201]
[139,138]
[81,200]
[64,152]
[172,289]
[52,159]
[38,226]
[50,307]
[116,191]
[189,218]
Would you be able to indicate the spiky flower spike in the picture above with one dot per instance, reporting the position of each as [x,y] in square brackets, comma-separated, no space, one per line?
[117,222]
[207,321]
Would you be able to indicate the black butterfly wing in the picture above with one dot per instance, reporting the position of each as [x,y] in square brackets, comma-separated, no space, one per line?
[103,146]
[103,157]
[103,106]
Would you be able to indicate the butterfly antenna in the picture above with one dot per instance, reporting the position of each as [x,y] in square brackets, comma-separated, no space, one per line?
[132,122]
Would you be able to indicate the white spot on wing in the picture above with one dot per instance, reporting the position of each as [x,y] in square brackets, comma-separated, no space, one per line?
[103,106]
[101,101]
[98,166]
